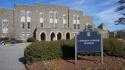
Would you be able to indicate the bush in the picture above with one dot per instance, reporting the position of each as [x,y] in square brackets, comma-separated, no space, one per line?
[114,47]
[31,39]
[6,39]
[42,51]
[68,49]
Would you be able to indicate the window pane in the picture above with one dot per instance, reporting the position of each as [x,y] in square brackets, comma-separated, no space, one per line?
[41,20]
[64,21]
[23,19]
[78,26]
[28,23]
[55,21]
[51,20]
[74,26]
[28,19]
[23,25]
[41,24]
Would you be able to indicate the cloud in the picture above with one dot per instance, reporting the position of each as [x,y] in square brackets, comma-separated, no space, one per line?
[108,17]
[74,4]
[100,10]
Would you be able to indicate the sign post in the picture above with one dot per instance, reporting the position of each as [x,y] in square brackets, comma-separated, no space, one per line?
[88,42]
[75,48]
[102,50]
[75,51]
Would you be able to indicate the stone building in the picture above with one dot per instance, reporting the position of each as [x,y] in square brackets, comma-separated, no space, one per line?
[103,30]
[117,34]
[5,22]
[46,22]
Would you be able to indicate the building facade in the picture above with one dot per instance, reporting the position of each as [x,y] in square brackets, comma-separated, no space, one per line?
[44,22]
[5,23]
[103,30]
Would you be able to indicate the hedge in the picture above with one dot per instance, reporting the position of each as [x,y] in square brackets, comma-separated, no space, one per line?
[114,47]
[42,51]
[31,39]
[68,49]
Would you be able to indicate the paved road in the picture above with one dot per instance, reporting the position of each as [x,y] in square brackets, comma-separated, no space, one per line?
[9,57]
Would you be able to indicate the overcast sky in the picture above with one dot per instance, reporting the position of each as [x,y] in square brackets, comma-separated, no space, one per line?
[101,11]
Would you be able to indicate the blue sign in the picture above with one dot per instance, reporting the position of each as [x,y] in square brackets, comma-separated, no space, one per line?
[88,41]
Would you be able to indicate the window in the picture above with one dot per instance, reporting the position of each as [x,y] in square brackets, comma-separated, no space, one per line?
[41,24]
[78,22]
[41,20]
[23,25]
[64,21]
[23,19]
[74,26]
[28,23]
[51,20]
[55,21]
[74,21]
[5,26]
[78,26]
[28,19]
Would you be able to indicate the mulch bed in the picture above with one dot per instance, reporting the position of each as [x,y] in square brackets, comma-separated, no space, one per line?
[85,63]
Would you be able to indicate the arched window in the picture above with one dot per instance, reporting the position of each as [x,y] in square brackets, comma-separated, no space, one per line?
[68,36]
[59,35]
[43,36]
[52,36]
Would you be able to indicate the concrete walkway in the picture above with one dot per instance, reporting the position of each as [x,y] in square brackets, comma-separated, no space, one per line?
[9,57]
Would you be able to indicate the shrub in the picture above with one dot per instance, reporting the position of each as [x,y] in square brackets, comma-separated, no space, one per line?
[31,39]
[6,39]
[114,47]
[68,49]
[42,51]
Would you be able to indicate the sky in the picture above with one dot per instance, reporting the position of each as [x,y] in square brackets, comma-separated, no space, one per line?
[101,11]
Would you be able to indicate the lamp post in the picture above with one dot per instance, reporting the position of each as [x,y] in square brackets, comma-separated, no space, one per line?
[13,19]
[75,51]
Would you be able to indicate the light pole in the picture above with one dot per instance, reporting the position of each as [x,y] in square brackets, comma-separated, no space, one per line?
[75,47]
[13,20]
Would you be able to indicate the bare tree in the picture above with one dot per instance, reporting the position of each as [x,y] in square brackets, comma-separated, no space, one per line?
[121,9]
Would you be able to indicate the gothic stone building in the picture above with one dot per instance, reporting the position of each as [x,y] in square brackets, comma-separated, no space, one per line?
[42,22]
[103,30]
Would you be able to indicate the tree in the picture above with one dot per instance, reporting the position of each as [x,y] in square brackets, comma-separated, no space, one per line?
[121,9]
